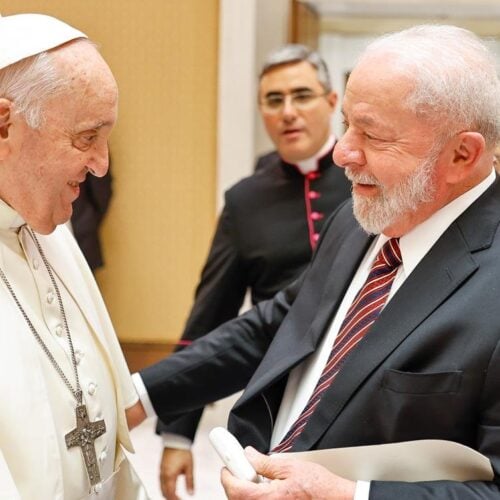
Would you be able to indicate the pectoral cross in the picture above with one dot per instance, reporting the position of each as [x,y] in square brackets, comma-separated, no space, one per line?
[84,435]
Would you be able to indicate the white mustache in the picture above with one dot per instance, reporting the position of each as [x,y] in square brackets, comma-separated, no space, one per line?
[360,178]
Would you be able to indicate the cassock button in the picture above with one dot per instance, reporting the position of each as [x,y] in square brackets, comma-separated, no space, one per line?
[59,330]
[313,195]
[313,175]
[36,264]
[78,356]
[317,215]
[91,388]
[50,297]
[315,237]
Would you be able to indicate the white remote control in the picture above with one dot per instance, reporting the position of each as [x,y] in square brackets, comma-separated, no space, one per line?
[231,453]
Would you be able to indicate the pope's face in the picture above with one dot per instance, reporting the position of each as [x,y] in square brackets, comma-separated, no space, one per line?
[46,165]
[297,133]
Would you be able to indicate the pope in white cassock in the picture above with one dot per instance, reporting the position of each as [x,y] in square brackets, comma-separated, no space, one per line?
[64,384]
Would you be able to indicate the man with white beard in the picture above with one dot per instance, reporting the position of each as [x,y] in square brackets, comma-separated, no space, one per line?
[393,332]
[374,213]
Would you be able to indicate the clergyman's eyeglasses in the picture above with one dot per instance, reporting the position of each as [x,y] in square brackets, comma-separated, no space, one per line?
[274,102]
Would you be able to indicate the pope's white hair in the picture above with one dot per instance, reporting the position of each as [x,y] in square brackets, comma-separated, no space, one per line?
[455,80]
[31,81]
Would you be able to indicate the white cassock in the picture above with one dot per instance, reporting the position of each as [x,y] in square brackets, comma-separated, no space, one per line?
[37,409]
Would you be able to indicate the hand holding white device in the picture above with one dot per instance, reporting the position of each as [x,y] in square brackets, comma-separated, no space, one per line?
[231,453]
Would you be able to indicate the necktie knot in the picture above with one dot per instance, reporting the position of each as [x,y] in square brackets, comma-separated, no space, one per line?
[390,254]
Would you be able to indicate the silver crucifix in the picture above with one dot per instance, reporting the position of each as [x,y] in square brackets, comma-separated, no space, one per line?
[84,435]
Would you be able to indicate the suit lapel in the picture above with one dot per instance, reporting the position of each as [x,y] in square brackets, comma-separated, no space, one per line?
[339,276]
[280,358]
[448,264]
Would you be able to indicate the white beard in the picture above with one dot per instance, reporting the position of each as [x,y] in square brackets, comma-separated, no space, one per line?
[374,214]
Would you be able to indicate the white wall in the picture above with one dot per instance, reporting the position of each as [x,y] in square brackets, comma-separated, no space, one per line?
[272,32]
[235,127]
[249,29]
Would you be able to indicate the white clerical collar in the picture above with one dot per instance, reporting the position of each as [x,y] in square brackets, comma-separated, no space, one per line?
[311,164]
[415,244]
[9,218]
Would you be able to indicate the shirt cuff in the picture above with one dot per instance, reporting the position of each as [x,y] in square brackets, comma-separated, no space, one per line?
[362,491]
[143,395]
[171,440]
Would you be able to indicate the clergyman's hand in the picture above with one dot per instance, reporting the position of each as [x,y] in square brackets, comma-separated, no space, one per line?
[288,479]
[135,415]
[175,463]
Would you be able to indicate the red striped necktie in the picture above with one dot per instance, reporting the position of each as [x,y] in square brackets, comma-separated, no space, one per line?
[363,312]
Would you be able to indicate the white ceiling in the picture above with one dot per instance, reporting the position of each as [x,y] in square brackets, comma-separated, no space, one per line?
[477,9]
[372,16]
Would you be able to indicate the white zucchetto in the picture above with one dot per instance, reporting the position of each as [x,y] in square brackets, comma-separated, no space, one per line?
[25,35]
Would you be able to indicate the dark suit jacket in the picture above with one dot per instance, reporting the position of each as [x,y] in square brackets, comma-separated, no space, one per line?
[262,243]
[89,210]
[428,369]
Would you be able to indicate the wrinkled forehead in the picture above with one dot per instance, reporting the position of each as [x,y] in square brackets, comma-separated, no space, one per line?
[90,96]
[80,61]
[87,75]
[383,75]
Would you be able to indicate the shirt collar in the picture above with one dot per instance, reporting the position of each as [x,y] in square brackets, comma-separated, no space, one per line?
[9,218]
[415,244]
[312,164]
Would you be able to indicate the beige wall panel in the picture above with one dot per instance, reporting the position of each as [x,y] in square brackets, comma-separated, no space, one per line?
[156,235]
[304,25]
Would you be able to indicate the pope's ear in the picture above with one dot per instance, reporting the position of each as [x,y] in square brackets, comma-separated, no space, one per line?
[5,123]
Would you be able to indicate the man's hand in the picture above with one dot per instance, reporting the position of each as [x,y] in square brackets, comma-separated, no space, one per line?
[175,463]
[135,415]
[289,479]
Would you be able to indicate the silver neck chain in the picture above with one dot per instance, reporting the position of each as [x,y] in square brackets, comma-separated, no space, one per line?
[77,391]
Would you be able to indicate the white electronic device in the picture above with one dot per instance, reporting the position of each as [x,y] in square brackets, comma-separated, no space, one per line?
[232,454]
